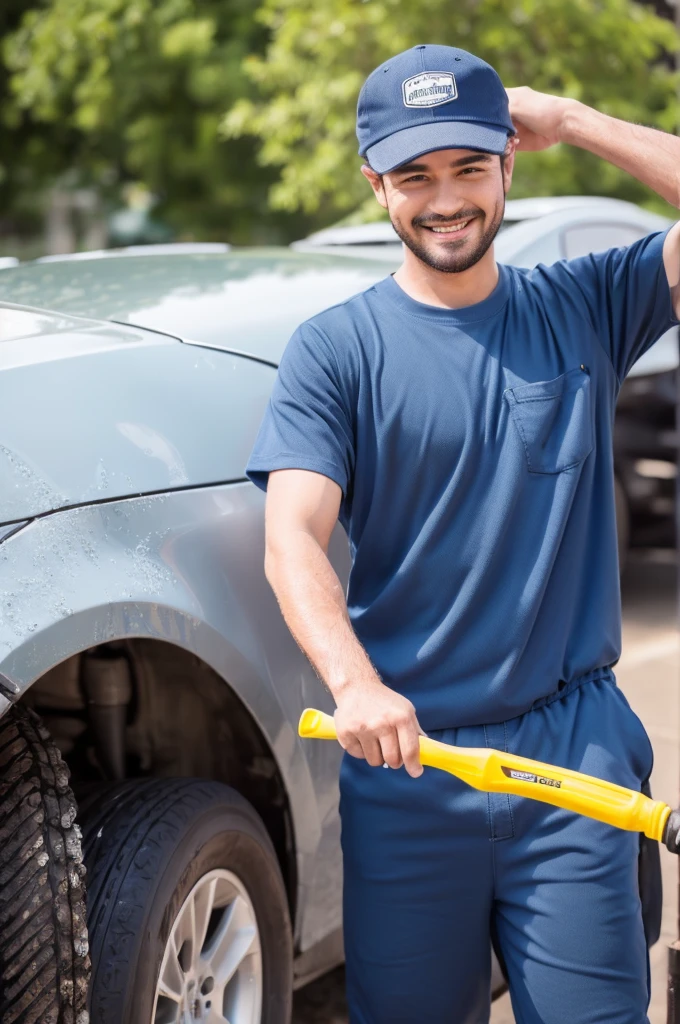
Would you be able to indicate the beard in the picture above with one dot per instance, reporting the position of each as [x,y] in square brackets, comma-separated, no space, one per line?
[452,257]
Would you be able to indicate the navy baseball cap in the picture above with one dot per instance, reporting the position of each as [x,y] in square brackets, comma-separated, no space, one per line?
[428,98]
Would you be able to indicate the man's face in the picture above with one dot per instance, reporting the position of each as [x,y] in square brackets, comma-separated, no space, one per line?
[446,206]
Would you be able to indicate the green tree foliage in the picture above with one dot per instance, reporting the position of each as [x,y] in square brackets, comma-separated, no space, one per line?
[24,158]
[134,90]
[615,55]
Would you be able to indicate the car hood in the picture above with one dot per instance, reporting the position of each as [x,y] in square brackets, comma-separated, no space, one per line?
[247,301]
[91,411]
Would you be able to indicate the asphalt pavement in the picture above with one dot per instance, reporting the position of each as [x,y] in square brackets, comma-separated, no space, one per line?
[649,673]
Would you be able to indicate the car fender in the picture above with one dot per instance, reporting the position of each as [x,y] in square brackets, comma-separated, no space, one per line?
[97,413]
[184,567]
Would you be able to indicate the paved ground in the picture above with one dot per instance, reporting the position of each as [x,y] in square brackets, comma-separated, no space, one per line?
[649,674]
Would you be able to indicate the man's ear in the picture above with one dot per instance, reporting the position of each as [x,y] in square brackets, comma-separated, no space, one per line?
[509,162]
[377,184]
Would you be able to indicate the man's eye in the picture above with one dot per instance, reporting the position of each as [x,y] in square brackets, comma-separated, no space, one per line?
[470,170]
[415,177]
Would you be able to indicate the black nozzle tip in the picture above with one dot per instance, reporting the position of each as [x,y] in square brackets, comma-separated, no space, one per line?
[671,833]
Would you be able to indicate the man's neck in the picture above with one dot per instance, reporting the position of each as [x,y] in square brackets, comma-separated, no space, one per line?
[451,291]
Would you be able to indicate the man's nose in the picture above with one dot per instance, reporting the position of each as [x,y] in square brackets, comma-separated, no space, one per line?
[446,203]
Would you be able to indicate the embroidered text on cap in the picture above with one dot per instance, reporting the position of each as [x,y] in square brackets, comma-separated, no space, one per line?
[429,89]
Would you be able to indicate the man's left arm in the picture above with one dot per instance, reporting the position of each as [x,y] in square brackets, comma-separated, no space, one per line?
[651,156]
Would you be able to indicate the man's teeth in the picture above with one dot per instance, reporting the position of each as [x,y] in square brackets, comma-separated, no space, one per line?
[452,228]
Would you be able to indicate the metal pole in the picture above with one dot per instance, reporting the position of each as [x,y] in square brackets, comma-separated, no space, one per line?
[673,1005]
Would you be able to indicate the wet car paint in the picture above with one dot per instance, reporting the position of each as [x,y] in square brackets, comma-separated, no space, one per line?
[186,568]
[246,301]
[101,412]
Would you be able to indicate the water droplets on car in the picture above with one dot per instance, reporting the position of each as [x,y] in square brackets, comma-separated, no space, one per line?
[33,489]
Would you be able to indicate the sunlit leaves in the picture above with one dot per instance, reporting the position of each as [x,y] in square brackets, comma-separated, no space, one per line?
[613,54]
[134,90]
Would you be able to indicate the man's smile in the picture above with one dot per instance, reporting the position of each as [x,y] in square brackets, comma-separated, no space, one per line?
[449,230]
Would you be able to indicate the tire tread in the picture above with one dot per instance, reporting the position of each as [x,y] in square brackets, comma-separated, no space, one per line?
[44,962]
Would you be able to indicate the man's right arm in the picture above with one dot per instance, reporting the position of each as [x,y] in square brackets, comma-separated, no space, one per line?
[372,721]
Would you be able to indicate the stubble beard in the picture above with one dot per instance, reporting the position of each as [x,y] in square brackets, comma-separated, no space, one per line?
[452,257]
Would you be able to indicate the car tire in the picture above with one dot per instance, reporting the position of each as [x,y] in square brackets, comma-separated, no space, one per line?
[622,522]
[150,846]
[44,966]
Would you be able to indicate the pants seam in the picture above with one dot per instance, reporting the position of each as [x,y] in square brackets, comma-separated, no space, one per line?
[493,837]
[512,819]
[489,811]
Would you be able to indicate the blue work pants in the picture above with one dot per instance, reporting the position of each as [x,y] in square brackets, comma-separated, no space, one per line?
[433,868]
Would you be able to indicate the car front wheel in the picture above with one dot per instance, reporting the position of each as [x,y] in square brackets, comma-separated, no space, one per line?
[187,910]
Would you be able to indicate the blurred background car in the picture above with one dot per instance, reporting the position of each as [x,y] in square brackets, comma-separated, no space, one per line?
[544,230]
[539,230]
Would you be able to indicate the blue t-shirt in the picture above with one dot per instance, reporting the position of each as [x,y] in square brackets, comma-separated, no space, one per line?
[474,450]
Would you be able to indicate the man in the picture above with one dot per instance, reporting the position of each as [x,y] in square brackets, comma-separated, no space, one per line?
[457,418]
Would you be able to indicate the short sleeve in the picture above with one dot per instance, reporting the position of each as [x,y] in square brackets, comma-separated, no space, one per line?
[309,421]
[628,298]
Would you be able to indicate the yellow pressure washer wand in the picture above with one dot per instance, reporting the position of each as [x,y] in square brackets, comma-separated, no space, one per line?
[495,772]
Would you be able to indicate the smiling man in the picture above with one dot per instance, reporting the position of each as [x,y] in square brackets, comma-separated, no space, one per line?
[474,227]
[457,418]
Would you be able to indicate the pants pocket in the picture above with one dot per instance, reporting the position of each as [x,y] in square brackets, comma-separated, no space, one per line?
[554,420]
[638,744]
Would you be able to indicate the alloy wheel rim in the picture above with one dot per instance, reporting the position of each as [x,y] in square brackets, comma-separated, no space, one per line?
[211,971]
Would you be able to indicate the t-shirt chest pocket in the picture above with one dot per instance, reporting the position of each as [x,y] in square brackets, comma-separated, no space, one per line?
[554,421]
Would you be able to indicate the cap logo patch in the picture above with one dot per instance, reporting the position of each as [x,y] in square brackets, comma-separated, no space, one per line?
[429,89]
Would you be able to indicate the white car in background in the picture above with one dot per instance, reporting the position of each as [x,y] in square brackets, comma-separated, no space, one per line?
[541,230]
[545,230]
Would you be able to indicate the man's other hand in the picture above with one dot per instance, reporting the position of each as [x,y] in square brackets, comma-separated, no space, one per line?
[538,117]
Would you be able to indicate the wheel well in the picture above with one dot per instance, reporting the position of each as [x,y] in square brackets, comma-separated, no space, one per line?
[176,717]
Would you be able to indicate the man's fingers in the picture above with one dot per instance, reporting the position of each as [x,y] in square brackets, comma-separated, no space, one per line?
[352,746]
[366,749]
[410,750]
[376,751]
[372,751]
[389,744]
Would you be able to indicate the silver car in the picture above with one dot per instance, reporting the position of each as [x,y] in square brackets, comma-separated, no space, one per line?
[141,646]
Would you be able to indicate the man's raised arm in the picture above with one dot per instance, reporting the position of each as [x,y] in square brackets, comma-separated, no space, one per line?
[650,155]
[372,720]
